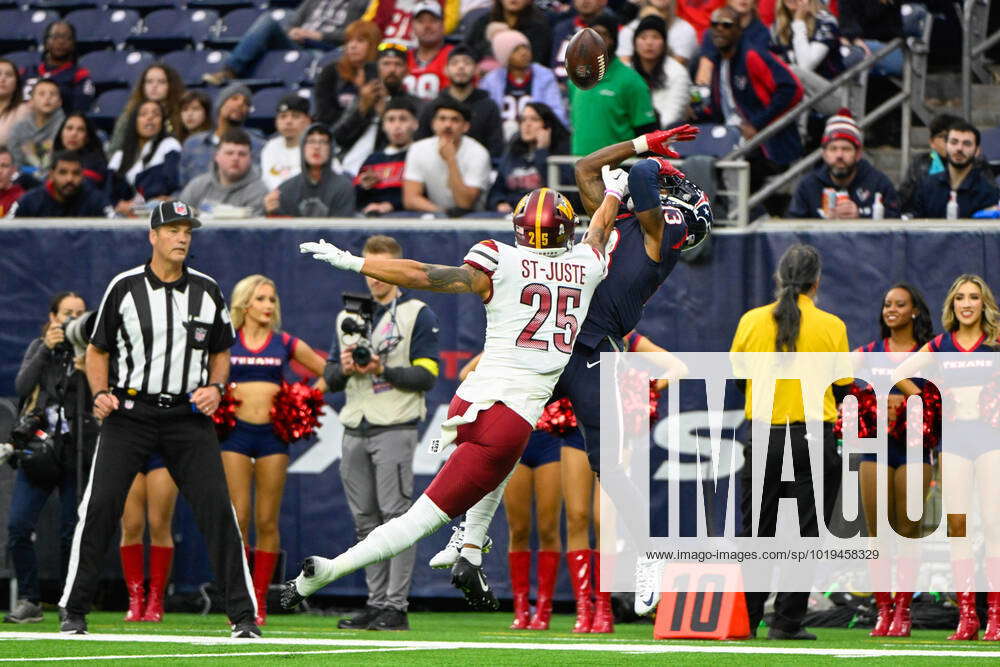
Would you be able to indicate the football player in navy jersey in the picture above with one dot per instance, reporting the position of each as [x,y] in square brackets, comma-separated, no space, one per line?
[904,327]
[663,214]
[971,323]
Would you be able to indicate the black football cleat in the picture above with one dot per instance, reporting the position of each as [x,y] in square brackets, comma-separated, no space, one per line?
[471,580]
[290,598]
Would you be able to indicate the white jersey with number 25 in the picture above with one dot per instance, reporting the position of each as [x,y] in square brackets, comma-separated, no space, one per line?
[533,315]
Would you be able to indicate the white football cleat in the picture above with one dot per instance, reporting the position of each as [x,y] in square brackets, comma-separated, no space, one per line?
[648,582]
[448,556]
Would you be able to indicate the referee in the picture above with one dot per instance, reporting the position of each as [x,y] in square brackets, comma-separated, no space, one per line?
[157,363]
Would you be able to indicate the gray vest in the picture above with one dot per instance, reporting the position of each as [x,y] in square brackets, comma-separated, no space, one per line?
[371,397]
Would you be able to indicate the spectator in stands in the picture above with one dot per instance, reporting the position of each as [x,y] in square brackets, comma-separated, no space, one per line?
[931,162]
[357,132]
[448,173]
[618,108]
[159,83]
[520,15]
[59,64]
[584,14]
[281,157]
[317,191]
[486,126]
[10,191]
[196,114]
[751,88]
[147,167]
[807,37]
[379,183]
[973,187]
[31,138]
[427,62]
[524,166]
[316,24]
[668,80]
[844,170]
[396,18]
[682,40]
[12,108]
[754,32]
[338,83]
[232,180]
[78,133]
[65,194]
[869,24]
[518,81]
[232,106]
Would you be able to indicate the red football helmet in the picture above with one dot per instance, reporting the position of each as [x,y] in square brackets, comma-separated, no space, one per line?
[544,222]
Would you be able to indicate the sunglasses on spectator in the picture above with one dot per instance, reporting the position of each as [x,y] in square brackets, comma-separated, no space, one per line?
[393,46]
[725,25]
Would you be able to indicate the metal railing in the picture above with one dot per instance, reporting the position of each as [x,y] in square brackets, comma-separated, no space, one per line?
[975,16]
[737,198]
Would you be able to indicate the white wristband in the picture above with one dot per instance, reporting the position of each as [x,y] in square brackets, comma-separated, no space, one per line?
[640,145]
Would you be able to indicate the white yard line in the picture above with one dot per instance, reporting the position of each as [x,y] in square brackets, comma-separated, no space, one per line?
[371,644]
[229,654]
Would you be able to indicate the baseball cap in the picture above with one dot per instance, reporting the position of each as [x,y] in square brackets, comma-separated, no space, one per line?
[293,102]
[168,212]
[428,6]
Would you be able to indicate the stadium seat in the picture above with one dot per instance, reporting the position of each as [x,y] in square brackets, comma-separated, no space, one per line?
[108,106]
[191,65]
[713,140]
[233,25]
[265,102]
[61,6]
[220,6]
[166,29]
[115,69]
[21,29]
[144,6]
[22,59]
[324,60]
[916,20]
[103,28]
[281,68]
[990,145]
[9,4]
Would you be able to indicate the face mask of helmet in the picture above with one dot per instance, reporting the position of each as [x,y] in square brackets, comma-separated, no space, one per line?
[544,222]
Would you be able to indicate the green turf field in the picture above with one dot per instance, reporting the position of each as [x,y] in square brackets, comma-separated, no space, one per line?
[446,639]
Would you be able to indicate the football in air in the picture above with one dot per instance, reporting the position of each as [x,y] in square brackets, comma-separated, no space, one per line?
[586,59]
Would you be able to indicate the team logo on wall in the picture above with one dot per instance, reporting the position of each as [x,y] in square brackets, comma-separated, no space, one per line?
[180,208]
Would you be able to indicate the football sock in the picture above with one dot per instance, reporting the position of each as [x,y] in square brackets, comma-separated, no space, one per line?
[477,521]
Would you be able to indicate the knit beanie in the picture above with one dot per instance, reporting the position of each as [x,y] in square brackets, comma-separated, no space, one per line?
[229,91]
[842,126]
[504,44]
[652,22]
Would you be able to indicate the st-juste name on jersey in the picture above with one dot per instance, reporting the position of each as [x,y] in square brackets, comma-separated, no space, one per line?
[532,318]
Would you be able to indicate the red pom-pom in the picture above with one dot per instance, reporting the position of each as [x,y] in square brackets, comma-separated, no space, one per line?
[639,406]
[989,404]
[866,415]
[932,418]
[557,418]
[224,416]
[296,411]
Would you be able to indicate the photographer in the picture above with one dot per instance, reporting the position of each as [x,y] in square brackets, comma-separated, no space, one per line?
[47,383]
[384,357]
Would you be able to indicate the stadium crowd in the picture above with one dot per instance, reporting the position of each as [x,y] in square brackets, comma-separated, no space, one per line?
[479,90]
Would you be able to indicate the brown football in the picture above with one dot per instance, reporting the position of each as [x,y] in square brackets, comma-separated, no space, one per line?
[586,59]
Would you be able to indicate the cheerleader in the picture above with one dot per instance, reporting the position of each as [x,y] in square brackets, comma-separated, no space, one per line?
[971,321]
[252,452]
[905,326]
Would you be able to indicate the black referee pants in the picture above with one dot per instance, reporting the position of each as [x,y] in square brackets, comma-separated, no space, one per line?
[188,444]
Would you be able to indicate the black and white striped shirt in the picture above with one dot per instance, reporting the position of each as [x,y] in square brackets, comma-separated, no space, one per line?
[160,335]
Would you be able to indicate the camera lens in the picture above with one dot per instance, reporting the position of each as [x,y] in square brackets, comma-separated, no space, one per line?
[362,356]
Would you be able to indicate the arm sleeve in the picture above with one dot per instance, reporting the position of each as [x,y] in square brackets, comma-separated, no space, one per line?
[328,108]
[425,336]
[890,199]
[766,72]
[108,318]
[342,202]
[801,207]
[335,379]
[423,371]
[409,378]
[494,143]
[549,94]
[30,373]
[476,174]
[678,93]
[808,53]
[644,185]
[354,11]
[641,113]
[350,127]
[222,336]
[908,188]
[411,169]
[83,92]
[171,172]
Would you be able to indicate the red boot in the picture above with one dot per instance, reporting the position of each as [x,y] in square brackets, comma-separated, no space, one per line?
[519,563]
[883,603]
[132,567]
[901,621]
[579,576]
[992,633]
[547,568]
[159,571]
[968,622]
[263,572]
[604,617]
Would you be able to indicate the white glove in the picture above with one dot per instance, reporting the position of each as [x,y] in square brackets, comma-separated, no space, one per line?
[331,254]
[615,182]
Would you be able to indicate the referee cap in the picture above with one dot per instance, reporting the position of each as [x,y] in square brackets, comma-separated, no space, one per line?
[173,211]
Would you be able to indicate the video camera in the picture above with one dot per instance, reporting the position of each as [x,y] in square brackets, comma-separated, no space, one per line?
[33,449]
[78,331]
[362,306]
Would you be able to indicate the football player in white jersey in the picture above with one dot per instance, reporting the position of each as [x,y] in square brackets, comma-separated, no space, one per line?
[536,294]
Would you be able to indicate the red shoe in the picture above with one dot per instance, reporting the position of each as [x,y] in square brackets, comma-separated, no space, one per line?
[604,617]
[968,621]
[579,576]
[519,563]
[263,571]
[883,603]
[547,568]
[132,567]
[992,633]
[159,571]
[901,621]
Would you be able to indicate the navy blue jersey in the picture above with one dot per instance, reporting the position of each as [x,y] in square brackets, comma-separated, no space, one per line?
[632,278]
[963,374]
[882,369]
[265,363]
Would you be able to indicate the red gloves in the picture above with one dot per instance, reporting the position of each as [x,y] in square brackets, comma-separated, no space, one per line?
[667,169]
[660,140]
